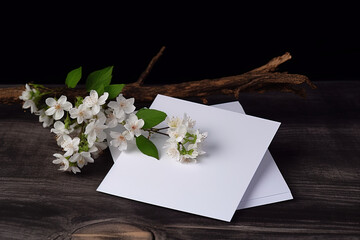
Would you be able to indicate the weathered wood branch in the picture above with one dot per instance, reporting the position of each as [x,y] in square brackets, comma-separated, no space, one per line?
[260,80]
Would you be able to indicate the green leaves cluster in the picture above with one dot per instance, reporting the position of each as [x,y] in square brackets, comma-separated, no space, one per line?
[98,80]
[151,118]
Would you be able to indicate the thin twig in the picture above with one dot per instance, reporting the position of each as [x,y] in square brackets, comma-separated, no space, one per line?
[145,73]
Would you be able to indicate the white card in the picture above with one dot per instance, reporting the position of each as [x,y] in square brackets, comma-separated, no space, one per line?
[268,185]
[214,186]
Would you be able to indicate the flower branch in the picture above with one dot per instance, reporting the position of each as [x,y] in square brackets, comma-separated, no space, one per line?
[81,126]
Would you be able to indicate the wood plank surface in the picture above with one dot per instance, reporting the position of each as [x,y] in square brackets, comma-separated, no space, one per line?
[317,149]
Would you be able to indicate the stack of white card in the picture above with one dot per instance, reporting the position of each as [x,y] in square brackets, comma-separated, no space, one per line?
[236,172]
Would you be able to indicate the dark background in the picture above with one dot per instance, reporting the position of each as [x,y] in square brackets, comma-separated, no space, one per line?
[41,43]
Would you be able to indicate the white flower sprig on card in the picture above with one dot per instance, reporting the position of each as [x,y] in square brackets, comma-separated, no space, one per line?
[80,126]
[184,143]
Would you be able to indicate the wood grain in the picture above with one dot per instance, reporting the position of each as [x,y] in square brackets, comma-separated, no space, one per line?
[316,149]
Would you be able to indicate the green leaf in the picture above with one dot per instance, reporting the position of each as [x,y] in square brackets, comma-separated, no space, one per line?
[73,78]
[114,90]
[147,147]
[99,79]
[151,117]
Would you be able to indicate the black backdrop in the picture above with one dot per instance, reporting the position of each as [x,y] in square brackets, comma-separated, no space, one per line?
[42,43]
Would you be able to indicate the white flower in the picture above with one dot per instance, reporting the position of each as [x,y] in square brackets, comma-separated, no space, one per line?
[173,122]
[74,169]
[30,104]
[120,139]
[28,97]
[123,104]
[111,120]
[28,93]
[60,130]
[80,113]
[95,129]
[94,102]
[70,145]
[188,122]
[46,120]
[184,142]
[60,159]
[174,153]
[134,125]
[57,107]
[178,133]
[200,136]
[193,151]
[114,117]
[82,159]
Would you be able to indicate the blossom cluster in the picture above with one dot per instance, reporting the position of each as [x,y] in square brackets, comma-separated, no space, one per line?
[184,143]
[80,128]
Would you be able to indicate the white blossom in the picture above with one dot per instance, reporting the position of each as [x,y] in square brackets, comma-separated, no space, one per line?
[60,130]
[120,139]
[70,145]
[45,119]
[173,122]
[62,161]
[188,122]
[28,96]
[134,125]
[200,136]
[74,169]
[82,159]
[81,113]
[30,104]
[184,144]
[114,117]
[57,107]
[172,149]
[178,133]
[111,119]
[122,104]
[28,93]
[95,130]
[94,102]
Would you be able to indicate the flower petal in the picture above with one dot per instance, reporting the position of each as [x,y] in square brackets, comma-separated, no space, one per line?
[67,106]
[76,141]
[74,158]
[103,98]
[62,100]
[95,109]
[26,104]
[58,114]
[113,105]
[94,95]
[50,102]
[120,97]
[50,111]
[115,143]
[115,134]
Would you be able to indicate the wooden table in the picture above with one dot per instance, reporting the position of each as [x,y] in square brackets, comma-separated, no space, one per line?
[317,149]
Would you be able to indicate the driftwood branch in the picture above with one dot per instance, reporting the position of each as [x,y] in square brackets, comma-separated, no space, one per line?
[261,79]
